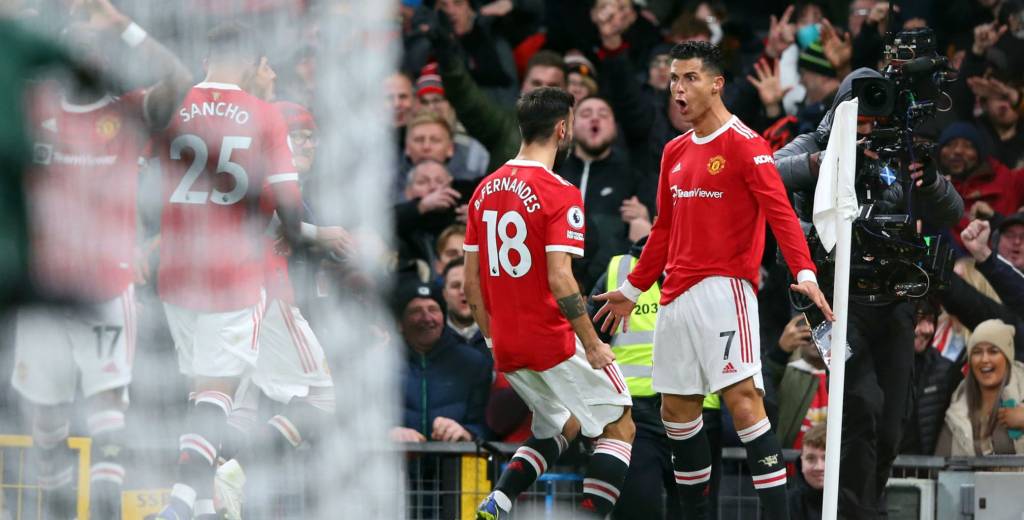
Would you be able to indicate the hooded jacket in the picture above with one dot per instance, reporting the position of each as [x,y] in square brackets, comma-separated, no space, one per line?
[938,204]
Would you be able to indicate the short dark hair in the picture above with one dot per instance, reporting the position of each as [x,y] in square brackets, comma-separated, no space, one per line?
[458,262]
[539,110]
[548,58]
[708,53]
[233,40]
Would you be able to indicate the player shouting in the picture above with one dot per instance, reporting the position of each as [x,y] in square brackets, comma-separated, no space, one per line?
[718,185]
[524,223]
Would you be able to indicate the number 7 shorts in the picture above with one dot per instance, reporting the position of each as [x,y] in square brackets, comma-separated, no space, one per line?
[708,339]
[56,348]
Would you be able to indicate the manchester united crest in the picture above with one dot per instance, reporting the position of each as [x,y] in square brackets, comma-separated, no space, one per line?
[716,164]
[108,127]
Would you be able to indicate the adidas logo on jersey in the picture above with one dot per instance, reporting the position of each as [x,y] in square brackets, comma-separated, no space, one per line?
[678,166]
[729,369]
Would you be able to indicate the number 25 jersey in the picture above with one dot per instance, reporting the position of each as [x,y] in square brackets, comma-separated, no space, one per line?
[518,214]
[223,149]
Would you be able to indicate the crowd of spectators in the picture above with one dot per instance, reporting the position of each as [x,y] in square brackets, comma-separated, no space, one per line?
[451,98]
[782,79]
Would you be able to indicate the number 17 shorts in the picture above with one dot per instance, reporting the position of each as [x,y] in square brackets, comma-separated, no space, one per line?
[708,339]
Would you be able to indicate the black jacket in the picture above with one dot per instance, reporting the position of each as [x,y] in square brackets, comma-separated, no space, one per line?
[971,307]
[939,205]
[605,184]
[452,380]
[804,501]
[935,378]
[1006,280]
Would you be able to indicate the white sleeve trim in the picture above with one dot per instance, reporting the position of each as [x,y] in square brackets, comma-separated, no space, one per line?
[629,291]
[283,177]
[308,231]
[806,275]
[575,251]
[470,248]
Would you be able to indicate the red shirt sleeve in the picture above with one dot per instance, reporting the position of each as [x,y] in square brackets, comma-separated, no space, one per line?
[652,261]
[276,154]
[766,184]
[566,224]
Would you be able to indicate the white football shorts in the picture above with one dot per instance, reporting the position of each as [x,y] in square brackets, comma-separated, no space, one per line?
[216,344]
[291,358]
[708,339]
[572,388]
[58,347]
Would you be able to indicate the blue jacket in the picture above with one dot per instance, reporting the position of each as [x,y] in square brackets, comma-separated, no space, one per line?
[452,380]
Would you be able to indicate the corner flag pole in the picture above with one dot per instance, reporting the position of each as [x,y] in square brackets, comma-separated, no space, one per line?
[835,207]
[837,369]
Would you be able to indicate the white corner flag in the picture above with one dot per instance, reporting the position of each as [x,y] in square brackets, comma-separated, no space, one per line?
[835,207]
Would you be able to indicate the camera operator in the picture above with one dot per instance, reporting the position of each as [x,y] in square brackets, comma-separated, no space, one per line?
[878,374]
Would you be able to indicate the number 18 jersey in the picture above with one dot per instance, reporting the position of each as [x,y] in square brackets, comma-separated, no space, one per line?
[222,151]
[518,214]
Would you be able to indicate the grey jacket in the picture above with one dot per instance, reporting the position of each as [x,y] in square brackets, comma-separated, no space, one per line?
[939,205]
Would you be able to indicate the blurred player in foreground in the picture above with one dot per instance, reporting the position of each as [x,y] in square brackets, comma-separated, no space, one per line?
[525,224]
[718,186]
[224,156]
[82,199]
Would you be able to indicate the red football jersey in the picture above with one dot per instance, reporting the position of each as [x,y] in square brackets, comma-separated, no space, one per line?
[714,195]
[518,214]
[81,193]
[223,149]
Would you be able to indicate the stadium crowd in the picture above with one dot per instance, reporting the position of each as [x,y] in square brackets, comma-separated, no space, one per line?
[451,102]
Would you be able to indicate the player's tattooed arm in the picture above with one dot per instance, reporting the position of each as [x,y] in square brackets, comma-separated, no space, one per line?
[572,306]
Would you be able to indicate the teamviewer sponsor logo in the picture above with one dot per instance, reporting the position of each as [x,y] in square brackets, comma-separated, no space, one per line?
[764,159]
[695,193]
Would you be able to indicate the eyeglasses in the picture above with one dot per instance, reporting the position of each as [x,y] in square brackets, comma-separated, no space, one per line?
[301,138]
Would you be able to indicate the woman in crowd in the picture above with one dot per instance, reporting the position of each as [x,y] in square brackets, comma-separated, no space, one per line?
[986,415]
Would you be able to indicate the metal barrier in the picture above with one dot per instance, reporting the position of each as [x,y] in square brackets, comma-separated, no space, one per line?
[20,496]
[447,481]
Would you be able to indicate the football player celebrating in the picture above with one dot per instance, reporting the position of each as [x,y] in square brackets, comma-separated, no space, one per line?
[81,193]
[525,224]
[718,186]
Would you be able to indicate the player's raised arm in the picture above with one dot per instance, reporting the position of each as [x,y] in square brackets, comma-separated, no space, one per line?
[471,285]
[164,97]
[570,302]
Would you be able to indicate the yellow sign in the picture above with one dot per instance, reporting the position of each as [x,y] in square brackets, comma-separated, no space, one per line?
[716,164]
[137,503]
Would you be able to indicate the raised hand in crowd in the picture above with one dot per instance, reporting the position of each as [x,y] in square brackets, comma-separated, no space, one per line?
[441,199]
[769,87]
[796,334]
[781,33]
[637,217]
[838,48]
[497,9]
[335,240]
[985,36]
[993,88]
[879,15]
[975,238]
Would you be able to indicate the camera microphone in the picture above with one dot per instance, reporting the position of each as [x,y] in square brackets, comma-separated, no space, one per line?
[922,65]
